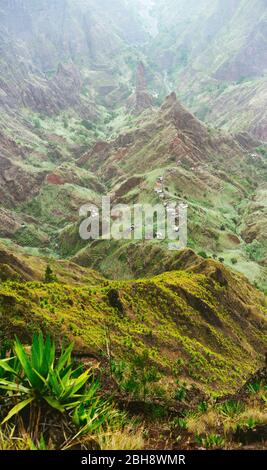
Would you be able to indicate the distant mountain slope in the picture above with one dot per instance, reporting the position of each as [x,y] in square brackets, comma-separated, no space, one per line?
[56,57]
[41,197]
[193,161]
[74,81]
[215,53]
[38,37]
[225,37]
[64,68]
[17,266]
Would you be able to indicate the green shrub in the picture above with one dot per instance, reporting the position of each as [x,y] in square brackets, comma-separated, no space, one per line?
[49,275]
[255,387]
[261,150]
[180,423]
[37,123]
[180,392]
[255,250]
[231,408]
[210,441]
[203,407]
[87,124]
[136,378]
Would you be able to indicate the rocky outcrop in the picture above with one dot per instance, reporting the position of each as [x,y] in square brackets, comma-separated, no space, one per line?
[61,92]
[10,223]
[141,99]
[100,149]
[16,184]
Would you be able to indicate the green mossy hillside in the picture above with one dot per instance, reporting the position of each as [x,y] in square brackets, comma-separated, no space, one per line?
[208,328]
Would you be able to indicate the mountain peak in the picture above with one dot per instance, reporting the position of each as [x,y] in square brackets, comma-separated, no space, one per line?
[170,99]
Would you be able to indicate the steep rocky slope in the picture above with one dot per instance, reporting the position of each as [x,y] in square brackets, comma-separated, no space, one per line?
[193,162]
[58,111]
[64,68]
[42,190]
[37,38]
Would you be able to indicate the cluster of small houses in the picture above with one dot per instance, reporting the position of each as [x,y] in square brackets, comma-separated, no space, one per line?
[174,212]
[159,187]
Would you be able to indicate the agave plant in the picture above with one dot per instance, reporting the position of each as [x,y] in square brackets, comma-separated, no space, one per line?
[91,418]
[38,378]
[210,441]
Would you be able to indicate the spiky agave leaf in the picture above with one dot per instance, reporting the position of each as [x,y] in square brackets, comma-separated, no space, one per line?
[17,408]
[33,378]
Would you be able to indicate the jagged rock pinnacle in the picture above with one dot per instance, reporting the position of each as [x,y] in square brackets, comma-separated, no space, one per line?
[141,99]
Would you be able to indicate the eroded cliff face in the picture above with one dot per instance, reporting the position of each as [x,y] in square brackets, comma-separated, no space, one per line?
[17,184]
[48,48]
[61,61]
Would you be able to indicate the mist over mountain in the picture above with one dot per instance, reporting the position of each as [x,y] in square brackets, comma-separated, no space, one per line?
[213,55]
